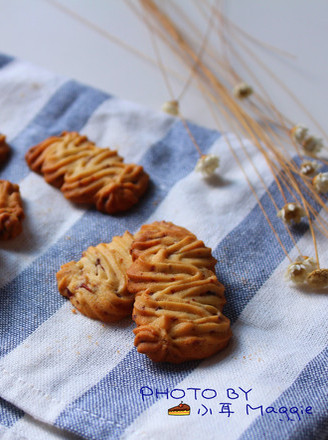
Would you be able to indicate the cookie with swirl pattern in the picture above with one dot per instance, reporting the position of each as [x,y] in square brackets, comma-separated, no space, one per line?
[11,210]
[4,149]
[88,174]
[179,300]
[97,284]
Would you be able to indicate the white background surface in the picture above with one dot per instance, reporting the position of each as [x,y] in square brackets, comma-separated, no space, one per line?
[37,31]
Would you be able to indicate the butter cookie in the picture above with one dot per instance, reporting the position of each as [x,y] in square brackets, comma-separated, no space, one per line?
[11,210]
[97,284]
[4,149]
[179,300]
[86,173]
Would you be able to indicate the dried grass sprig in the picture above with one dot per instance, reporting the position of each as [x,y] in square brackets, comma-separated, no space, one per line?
[262,136]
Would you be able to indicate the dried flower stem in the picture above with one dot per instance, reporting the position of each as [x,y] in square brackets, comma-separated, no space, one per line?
[250,185]
[246,34]
[245,120]
[184,122]
[99,30]
[237,78]
[108,36]
[234,107]
[247,124]
[255,169]
[236,158]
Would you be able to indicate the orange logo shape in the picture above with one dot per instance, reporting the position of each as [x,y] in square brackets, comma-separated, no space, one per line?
[180,410]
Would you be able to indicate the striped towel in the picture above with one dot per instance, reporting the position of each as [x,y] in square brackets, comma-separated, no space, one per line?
[64,376]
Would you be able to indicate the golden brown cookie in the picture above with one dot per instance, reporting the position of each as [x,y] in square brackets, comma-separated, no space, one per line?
[4,149]
[86,173]
[11,210]
[178,296]
[97,284]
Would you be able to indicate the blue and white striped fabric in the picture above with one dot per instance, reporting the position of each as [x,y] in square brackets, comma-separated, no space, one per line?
[64,376]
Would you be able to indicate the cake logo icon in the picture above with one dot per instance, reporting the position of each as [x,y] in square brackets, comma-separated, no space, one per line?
[181,410]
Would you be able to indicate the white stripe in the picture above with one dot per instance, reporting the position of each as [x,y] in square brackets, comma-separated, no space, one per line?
[127,127]
[277,334]
[24,90]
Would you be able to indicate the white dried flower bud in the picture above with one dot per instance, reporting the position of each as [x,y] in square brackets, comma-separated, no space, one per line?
[171,107]
[299,133]
[298,271]
[312,145]
[207,164]
[308,167]
[291,212]
[242,90]
[309,263]
[320,182]
[318,278]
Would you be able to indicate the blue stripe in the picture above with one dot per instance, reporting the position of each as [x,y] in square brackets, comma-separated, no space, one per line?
[5,59]
[250,253]
[116,397]
[246,258]
[68,109]
[9,414]
[309,389]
